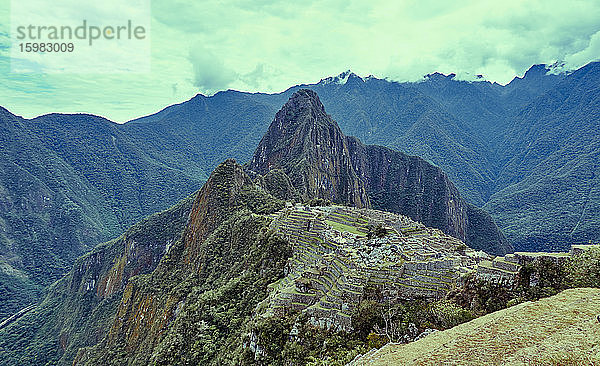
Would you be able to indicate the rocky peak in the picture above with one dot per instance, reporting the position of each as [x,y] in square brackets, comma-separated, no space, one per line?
[305,100]
[214,201]
[341,79]
[439,77]
[308,145]
[536,71]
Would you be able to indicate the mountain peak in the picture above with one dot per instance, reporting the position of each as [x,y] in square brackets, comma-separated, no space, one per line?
[218,196]
[540,75]
[309,147]
[305,100]
[302,113]
[340,79]
[438,76]
[538,70]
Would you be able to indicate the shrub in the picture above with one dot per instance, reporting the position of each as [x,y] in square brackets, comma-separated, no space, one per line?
[584,269]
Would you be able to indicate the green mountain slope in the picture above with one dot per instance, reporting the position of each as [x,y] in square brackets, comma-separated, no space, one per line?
[69,182]
[548,192]
[50,215]
[193,308]
[78,309]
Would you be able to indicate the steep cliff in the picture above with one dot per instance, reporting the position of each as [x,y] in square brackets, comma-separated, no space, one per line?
[409,185]
[310,148]
[78,309]
[192,306]
[306,145]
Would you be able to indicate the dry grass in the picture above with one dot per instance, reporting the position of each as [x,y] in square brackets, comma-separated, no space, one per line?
[559,330]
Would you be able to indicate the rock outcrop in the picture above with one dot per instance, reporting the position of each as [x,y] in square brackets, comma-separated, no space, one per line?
[310,148]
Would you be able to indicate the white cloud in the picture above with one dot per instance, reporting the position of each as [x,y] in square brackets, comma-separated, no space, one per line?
[589,53]
[210,72]
[270,45]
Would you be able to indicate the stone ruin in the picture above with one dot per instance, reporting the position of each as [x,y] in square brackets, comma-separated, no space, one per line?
[334,260]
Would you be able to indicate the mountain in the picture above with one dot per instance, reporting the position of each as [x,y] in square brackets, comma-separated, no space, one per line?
[549,190]
[525,152]
[78,309]
[307,145]
[126,290]
[68,183]
[194,305]
[310,148]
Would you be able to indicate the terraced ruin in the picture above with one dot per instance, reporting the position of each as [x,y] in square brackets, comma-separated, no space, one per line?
[338,251]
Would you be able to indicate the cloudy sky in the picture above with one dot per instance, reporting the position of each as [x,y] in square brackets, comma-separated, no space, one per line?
[262,45]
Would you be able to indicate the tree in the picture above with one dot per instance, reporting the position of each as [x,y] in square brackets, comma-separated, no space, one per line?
[390,314]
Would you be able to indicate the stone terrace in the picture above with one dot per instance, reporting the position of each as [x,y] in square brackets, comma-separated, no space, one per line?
[334,260]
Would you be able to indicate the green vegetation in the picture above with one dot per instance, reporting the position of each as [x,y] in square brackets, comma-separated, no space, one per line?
[291,340]
[309,345]
[376,231]
[542,278]
[344,228]
[558,330]
[73,314]
[210,326]
[584,269]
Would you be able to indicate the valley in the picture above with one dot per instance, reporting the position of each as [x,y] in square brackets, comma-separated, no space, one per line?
[319,246]
[82,179]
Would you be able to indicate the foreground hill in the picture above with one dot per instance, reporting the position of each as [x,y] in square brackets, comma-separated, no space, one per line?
[559,330]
